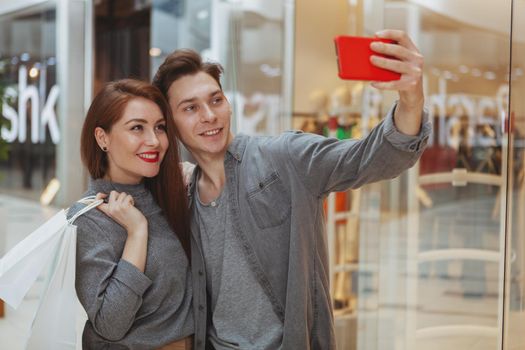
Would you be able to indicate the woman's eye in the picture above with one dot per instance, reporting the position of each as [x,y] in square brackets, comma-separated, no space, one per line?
[217,100]
[161,127]
[136,127]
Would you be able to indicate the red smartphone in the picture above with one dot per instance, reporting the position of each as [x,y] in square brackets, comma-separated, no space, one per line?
[353,59]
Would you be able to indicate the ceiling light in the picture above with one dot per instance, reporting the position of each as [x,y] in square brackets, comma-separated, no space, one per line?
[33,72]
[203,14]
[269,70]
[463,69]
[489,75]
[447,74]
[50,192]
[155,52]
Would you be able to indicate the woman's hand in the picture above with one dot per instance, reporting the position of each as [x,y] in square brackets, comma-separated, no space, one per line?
[120,207]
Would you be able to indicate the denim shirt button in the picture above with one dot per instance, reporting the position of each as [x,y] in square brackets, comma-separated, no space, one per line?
[261,185]
[201,273]
[201,307]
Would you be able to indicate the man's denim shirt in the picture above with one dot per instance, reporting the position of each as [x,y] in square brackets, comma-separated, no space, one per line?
[277,186]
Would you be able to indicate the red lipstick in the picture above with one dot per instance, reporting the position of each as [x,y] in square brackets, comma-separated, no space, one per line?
[149,157]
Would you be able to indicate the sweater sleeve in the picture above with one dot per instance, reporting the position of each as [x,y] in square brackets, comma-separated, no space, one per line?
[109,288]
[327,164]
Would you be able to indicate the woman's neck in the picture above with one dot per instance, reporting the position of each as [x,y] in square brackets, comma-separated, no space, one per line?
[123,180]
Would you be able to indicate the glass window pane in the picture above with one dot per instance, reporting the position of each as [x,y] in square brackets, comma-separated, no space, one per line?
[451,241]
[27,78]
[251,50]
[246,37]
[430,244]
[122,41]
[515,267]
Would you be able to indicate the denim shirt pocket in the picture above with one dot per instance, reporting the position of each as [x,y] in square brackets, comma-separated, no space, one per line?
[269,201]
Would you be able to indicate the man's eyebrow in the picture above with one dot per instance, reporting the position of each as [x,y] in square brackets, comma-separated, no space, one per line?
[192,99]
[218,91]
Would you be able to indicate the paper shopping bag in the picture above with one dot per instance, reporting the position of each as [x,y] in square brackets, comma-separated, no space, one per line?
[55,325]
[22,265]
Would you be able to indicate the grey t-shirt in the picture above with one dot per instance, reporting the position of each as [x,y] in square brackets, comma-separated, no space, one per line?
[242,314]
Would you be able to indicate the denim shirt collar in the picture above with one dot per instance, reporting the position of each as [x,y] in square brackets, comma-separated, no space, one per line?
[237,147]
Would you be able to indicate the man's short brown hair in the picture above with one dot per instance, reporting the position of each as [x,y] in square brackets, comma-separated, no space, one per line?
[181,63]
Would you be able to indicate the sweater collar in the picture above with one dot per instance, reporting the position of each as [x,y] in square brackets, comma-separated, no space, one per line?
[142,197]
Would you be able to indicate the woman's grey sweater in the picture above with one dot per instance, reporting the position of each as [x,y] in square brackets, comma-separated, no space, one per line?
[128,309]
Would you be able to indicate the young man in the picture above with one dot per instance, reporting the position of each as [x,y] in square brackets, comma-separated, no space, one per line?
[259,252]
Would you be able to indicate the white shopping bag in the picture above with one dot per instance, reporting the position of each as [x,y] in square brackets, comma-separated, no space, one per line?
[59,315]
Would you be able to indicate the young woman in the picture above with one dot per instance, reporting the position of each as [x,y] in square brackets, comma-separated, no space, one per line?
[132,274]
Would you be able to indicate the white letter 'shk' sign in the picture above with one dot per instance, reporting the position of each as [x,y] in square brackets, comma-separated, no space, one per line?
[29,104]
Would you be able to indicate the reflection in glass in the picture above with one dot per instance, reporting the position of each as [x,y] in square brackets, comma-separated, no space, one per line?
[245,37]
[428,273]
[122,41]
[450,239]
[253,62]
[515,264]
[30,129]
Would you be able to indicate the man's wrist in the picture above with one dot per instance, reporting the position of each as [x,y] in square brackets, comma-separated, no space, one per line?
[408,119]
[411,102]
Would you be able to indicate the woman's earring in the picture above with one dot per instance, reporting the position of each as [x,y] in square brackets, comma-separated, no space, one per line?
[105,149]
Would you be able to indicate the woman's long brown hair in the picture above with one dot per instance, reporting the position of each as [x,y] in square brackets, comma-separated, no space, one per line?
[167,187]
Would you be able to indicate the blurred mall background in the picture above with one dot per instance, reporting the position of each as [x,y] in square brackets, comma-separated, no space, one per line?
[432,260]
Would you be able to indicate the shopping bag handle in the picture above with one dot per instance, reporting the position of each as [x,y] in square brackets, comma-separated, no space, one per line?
[90,202]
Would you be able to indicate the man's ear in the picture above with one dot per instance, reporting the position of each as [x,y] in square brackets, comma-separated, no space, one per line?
[102,138]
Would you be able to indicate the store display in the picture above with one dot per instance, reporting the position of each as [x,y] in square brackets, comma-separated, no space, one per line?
[337,116]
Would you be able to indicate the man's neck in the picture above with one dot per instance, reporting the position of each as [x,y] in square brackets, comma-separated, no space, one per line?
[212,178]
